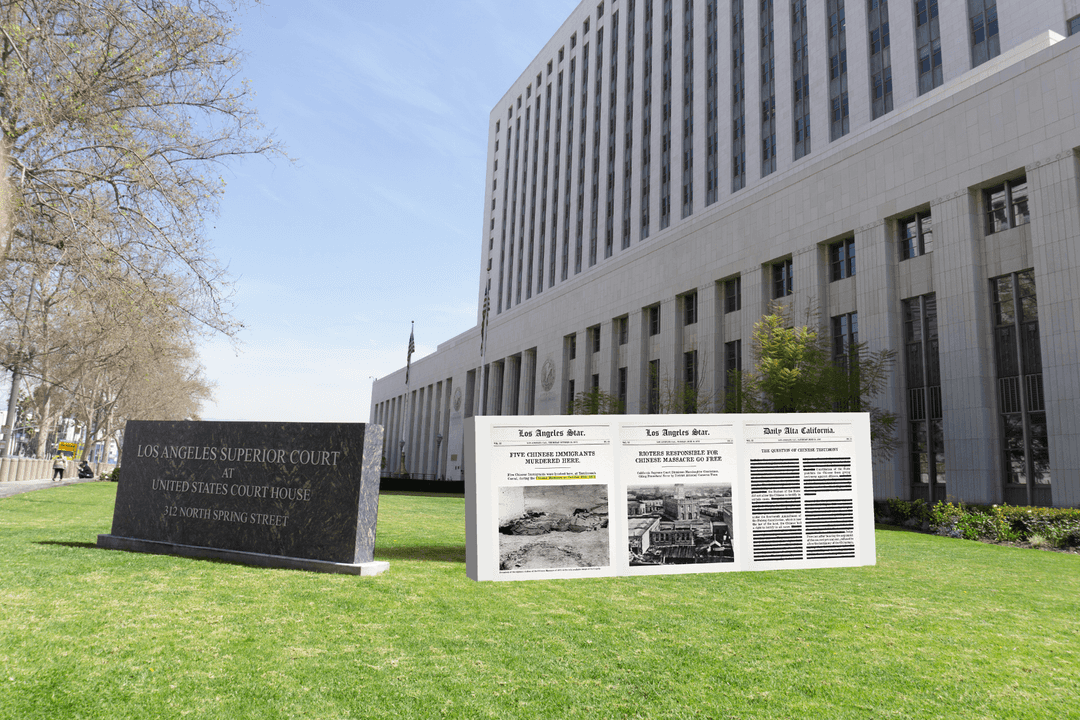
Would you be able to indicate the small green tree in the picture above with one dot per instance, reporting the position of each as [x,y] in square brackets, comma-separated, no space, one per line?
[596,402]
[794,370]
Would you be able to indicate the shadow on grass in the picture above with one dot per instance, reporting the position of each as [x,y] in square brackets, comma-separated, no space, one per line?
[428,553]
[436,553]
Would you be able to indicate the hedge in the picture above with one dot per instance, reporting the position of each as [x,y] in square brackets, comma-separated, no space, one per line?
[1054,527]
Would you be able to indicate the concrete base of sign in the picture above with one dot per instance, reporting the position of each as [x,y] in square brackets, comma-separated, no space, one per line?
[115,542]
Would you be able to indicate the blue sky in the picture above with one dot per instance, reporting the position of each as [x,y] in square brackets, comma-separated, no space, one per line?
[384,106]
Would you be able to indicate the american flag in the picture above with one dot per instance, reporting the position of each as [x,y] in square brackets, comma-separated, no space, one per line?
[483,320]
[408,358]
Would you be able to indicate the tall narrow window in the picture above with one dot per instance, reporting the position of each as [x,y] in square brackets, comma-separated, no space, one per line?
[733,295]
[556,163]
[712,104]
[666,80]
[841,259]
[845,334]
[926,435]
[628,128]
[733,376]
[983,26]
[688,109]
[653,395]
[877,21]
[598,103]
[621,390]
[512,237]
[800,79]
[654,320]
[613,114]
[1021,405]
[928,45]
[569,170]
[689,391]
[738,99]
[690,308]
[646,118]
[502,239]
[579,234]
[838,89]
[782,282]
[542,239]
[768,90]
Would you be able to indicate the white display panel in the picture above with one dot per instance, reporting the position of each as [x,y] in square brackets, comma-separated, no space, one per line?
[588,496]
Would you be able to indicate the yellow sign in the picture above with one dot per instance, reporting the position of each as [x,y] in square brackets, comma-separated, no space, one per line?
[68,448]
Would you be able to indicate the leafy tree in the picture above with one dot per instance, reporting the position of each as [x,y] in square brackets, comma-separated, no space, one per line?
[596,402]
[794,371]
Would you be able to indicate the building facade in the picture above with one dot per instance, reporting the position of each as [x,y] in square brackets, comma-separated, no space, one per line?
[908,171]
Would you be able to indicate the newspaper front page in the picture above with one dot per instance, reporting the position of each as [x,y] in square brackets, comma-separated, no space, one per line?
[588,496]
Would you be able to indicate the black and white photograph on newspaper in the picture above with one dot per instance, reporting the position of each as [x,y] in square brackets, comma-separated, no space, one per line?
[680,524]
[553,527]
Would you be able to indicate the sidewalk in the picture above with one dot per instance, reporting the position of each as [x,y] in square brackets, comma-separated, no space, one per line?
[7,489]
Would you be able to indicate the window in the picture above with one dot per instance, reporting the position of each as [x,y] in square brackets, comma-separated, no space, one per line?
[1021,405]
[732,376]
[738,98]
[689,404]
[841,259]
[594,336]
[570,397]
[983,24]
[654,320]
[733,295]
[800,83]
[622,330]
[571,346]
[1074,25]
[653,401]
[782,280]
[768,89]
[1006,205]
[690,308]
[621,392]
[595,383]
[845,333]
[927,45]
[839,123]
[916,235]
[877,21]
[925,430]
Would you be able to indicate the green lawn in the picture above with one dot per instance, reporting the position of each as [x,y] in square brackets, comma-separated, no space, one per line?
[940,628]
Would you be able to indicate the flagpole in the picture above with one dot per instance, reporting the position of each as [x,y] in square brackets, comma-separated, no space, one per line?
[483,349]
[408,401]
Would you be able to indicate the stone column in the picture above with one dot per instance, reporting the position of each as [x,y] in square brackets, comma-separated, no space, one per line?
[972,441]
[1055,234]
[878,302]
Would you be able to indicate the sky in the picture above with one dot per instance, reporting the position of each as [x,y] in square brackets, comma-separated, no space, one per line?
[378,220]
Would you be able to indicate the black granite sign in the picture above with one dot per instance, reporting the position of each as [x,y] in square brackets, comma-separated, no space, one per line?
[296,490]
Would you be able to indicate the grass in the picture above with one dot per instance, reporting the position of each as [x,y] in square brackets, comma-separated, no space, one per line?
[939,628]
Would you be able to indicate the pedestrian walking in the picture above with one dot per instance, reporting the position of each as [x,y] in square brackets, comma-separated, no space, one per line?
[58,467]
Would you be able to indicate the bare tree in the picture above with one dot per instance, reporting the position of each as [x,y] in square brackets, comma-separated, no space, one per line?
[116,116]
[116,119]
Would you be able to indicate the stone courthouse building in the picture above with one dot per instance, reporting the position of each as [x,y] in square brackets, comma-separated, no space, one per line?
[664,169]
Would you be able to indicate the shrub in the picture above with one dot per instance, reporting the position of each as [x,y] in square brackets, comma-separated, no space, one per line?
[1056,527]
[113,476]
